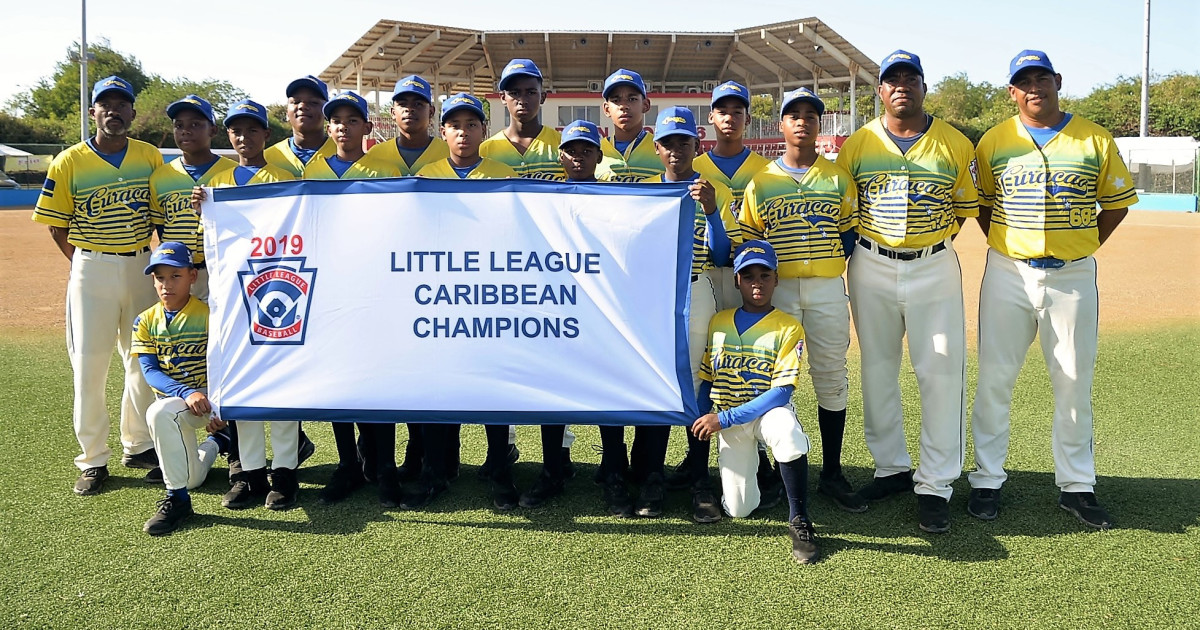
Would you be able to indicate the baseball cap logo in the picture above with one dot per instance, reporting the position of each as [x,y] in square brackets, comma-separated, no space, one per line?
[166,251]
[116,82]
[515,66]
[674,119]
[350,97]
[731,87]
[413,82]
[623,77]
[1022,60]
[755,250]
[578,130]
[247,106]
[460,100]
[899,56]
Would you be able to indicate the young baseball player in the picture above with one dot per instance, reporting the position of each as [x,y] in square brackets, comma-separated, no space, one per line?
[677,142]
[1042,175]
[171,184]
[629,155]
[464,126]
[748,374]
[373,455]
[306,99]
[526,145]
[916,187]
[170,340]
[804,206]
[248,129]
[414,146]
[96,204]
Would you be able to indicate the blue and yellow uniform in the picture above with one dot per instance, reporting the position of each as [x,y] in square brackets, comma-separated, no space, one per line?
[390,152]
[366,167]
[701,260]
[639,161]
[171,202]
[180,344]
[282,155]
[486,169]
[540,160]
[741,366]
[265,175]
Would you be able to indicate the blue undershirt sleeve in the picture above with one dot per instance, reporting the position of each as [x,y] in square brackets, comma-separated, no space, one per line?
[159,380]
[718,240]
[764,402]
[849,239]
[704,398]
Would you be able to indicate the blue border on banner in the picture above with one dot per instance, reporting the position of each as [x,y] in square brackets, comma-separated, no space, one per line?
[391,185]
[615,418]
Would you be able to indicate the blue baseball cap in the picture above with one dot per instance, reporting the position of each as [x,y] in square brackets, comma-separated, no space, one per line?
[462,100]
[171,253]
[247,108]
[346,98]
[112,84]
[194,103]
[310,82]
[624,77]
[1027,59]
[580,130]
[731,88]
[755,253]
[802,94]
[519,68]
[675,121]
[413,84]
[900,57]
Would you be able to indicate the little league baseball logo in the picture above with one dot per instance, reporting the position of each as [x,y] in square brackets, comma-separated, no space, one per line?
[276,292]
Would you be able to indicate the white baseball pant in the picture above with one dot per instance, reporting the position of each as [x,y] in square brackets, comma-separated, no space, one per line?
[1060,307]
[821,306]
[174,426]
[921,299]
[700,313]
[200,287]
[252,444]
[737,455]
[105,293]
[727,295]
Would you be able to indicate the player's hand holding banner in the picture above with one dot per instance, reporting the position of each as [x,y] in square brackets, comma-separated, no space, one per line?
[438,300]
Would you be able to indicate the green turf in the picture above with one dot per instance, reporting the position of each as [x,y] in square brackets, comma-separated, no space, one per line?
[76,562]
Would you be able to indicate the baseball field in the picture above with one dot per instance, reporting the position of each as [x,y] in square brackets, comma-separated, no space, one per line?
[75,562]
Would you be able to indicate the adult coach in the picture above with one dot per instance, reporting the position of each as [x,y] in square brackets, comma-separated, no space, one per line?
[96,200]
[916,188]
[1043,173]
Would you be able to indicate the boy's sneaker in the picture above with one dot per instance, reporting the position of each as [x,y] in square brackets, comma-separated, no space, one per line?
[681,476]
[306,449]
[425,491]
[838,489]
[934,512]
[504,492]
[249,489]
[705,508]
[770,497]
[489,466]
[616,496]
[343,483]
[984,503]
[804,541]
[284,489]
[884,487]
[1085,508]
[545,488]
[171,514]
[652,497]
[154,476]
[91,481]
[146,460]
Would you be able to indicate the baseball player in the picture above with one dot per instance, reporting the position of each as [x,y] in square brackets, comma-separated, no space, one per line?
[306,98]
[748,374]
[171,184]
[348,125]
[915,188]
[677,143]
[526,145]
[414,147]
[629,155]
[464,126]
[248,129]
[96,203]
[804,205]
[170,340]
[1042,175]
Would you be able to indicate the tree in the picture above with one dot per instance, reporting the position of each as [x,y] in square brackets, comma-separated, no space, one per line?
[972,108]
[763,106]
[152,124]
[15,130]
[57,96]
[1174,106]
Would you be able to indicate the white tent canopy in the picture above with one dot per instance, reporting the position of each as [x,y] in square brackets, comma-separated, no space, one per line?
[1158,151]
[7,151]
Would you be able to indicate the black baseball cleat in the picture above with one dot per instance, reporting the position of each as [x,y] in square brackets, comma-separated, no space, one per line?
[616,496]
[838,489]
[423,493]
[705,508]
[249,489]
[886,486]
[804,541]
[934,513]
[146,460]
[504,492]
[345,480]
[1085,508]
[545,488]
[306,449]
[489,466]
[651,497]
[284,489]
[771,496]
[984,503]
[91,481]
[170,515]
[389,488]
[154,476]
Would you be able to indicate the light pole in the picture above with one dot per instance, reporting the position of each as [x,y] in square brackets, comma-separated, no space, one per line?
[1144,127]
[83,78]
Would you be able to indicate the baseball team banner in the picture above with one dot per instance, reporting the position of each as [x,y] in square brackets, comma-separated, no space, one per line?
[494,301]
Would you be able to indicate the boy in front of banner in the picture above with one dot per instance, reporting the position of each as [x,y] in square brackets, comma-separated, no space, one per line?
[526,145]
[677,142]
[804,205]
[629,156]
[748,375]
[170,340]
[373,456]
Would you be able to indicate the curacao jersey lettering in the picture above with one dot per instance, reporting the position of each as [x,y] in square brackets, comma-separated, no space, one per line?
[365,167]
[265,175]
[104,208]
[1044,200]
[743,366]
[390,152]
[803,221]
[280,154]
[639,161]
[540,160]
[171,202]
[181,345]
[911,199]
[486,169]
[701,260]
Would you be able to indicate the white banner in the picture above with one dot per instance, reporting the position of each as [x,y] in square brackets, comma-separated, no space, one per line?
[495,301]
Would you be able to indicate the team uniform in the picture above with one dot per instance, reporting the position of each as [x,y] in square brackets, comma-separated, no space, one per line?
[242,176]
[283,154]
[751,165]
[905,280]
[486,169]
[390,152]
[638,162]
[171,208]
[104,203]
[366,167]
[540,160]
[1040,280]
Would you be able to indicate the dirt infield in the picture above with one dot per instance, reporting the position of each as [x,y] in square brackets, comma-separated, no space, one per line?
[1149,273]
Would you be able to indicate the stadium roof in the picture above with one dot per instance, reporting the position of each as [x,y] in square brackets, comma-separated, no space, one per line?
[768,59]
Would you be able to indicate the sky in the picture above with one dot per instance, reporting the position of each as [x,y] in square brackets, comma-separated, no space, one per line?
[1091,43]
